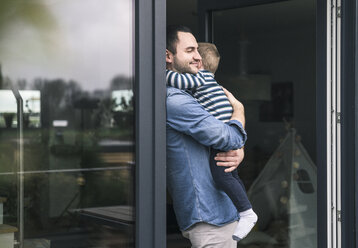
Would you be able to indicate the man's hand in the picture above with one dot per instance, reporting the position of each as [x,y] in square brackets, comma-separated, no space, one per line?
[230,159]
[238,108]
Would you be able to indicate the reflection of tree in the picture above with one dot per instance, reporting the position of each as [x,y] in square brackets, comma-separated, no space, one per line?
[7,83]
[126,106]
[21,84]
[121,82]
[61,99]
[57,97]
[103,115]
[1,78]
[32,12]
[123,119]
[8,119]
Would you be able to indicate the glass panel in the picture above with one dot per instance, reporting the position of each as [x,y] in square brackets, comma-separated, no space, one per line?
[268,62]
[72,61]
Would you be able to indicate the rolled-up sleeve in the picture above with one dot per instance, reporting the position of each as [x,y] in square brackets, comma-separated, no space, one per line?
[187,116]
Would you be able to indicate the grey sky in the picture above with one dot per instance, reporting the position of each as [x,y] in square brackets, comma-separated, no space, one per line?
[90,43]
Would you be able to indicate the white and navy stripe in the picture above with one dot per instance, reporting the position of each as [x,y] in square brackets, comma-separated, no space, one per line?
[206,91]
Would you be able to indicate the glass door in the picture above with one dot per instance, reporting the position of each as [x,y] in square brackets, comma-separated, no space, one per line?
[67,150]
[268,61]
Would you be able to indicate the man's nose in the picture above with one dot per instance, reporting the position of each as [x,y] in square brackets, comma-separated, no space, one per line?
[197,56]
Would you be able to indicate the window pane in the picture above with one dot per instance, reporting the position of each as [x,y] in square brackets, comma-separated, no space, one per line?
[72,62]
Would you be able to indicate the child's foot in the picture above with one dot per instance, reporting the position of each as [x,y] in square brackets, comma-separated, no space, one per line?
[247,221]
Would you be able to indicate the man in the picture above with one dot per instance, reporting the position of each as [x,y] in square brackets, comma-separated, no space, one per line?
[205,214]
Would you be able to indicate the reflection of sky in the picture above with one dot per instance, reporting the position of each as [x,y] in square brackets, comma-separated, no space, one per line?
[117,95]
[31,100]
[90,43]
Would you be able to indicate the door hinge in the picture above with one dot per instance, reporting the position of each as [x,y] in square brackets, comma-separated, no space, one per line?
[339,117]
[339,12]
[339,215]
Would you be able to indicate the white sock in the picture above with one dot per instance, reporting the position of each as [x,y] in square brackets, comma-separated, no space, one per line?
[247,221]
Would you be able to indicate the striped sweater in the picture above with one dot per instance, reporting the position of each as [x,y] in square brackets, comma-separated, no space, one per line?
[205,90]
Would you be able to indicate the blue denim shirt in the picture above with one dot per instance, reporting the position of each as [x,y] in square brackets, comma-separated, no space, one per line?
[191,131]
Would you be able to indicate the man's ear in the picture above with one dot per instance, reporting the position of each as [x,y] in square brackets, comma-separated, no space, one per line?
[168,56]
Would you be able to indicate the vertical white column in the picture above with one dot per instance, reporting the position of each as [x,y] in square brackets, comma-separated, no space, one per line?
[333,124]
[338,123]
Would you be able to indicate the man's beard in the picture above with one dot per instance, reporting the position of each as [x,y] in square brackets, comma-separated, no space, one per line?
[183,67]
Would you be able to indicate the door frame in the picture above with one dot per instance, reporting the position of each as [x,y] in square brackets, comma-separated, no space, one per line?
[349,121]
[321,122]
[206,8]
[150,94]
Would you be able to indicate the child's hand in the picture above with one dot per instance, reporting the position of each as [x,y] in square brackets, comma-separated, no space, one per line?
[238,108]
[230,159]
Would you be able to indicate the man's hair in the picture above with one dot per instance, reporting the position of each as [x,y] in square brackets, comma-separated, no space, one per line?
[210,56]
[172,36]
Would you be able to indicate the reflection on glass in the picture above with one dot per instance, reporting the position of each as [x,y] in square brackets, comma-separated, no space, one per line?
[32,109]
[286,191]
[123,99]
[70,60]
[264,50]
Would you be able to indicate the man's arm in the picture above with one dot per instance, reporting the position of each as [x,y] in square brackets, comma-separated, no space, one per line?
[238,109]
[233,158]
[187,116]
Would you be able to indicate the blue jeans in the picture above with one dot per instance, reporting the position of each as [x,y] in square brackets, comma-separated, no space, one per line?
[230,183]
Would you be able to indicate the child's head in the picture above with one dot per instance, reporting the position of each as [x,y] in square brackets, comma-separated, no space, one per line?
[210,56]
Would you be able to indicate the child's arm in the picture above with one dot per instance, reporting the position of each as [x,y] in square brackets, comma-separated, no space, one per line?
[208,76]
[184,81]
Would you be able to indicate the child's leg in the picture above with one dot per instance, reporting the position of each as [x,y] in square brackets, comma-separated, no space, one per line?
[232,185]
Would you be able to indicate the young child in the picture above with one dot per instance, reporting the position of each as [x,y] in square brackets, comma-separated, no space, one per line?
[211,96]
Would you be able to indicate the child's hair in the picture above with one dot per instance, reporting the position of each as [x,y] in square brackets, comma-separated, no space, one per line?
[210,56]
